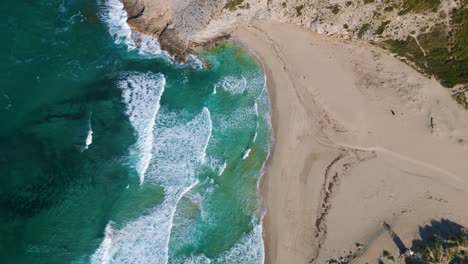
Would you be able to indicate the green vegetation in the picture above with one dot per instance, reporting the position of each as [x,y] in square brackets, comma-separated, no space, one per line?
[461,99]
[382,27]
[446,50]
[419,6]
[387,255]
[335,9]
[388,9]
[363,30]
[345,26]
[407,48]
[439,250]
[299,10]
[232,5]
[368,1]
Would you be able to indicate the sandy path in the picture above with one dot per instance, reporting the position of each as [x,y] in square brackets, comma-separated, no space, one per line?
[360,138]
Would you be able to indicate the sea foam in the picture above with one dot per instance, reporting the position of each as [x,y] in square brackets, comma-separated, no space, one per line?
[112,12]
[246,154]
[114,15]
[178,150]
[234,85]
[249,249]
[141,93]
[89,136]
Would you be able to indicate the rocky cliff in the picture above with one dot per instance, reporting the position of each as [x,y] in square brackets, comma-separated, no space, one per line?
[430,35]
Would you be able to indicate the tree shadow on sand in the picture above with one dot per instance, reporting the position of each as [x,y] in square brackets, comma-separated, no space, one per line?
[440,242]
[396,239]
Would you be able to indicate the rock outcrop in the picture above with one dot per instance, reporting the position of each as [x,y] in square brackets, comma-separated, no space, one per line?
[430,35]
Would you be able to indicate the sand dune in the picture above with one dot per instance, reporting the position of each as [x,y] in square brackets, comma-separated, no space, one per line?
[360,138]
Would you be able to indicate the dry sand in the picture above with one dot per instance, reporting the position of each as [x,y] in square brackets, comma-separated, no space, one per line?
[354,147]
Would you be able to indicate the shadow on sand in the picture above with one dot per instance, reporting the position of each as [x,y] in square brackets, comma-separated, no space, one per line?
[440,239]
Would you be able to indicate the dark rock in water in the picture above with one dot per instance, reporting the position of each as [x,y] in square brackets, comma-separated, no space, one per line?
[172,23]
[171,42]
[155,20]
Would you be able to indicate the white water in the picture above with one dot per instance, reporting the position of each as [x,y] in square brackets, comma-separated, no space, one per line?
[89,137]
[258,124]
[178,150]
[141,93]
[170,152]
[248,250]
[234,85]
[246,154]
[240,118]
[210,128]
[112,12]
[104,253]
[194,61]
[221,170]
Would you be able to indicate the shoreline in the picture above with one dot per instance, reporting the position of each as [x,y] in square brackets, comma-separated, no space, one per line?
[273,131]
[313,137]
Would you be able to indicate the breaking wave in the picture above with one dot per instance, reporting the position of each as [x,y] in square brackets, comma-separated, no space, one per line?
[113,13]
[178,150]
[89,136]
[141,93]
[246,154]
[248,250]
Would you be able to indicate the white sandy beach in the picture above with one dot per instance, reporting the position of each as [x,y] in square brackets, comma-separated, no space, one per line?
[354,147]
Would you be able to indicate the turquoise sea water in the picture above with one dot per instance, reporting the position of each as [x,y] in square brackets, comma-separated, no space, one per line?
[112,153]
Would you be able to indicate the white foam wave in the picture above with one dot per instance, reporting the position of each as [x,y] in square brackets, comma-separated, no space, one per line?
[240,118]
[178,150]
[113,13]
[246,154]
[141,93]
[89,137]
[198,259]
[147,45]
[248,250]
[234,85]
[258,124]
[145,240]
[210,129]
[255,136]
[194,61]
[221,170]
[104,252]
[216,165]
